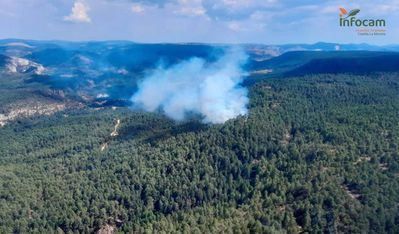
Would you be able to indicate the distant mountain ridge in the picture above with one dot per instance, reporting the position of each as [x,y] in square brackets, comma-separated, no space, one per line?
[268,49]
[314,62]
[354,65]
[112,68]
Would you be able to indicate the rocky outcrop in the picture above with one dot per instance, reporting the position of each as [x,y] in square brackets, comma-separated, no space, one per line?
[33,109]
[107,229]
[21,65]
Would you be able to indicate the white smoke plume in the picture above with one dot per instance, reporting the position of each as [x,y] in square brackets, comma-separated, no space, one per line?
[195,86]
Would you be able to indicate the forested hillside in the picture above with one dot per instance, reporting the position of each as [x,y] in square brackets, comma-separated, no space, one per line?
[316,154]
[298,63]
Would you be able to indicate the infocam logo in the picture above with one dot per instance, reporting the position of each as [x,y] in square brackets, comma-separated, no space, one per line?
[348,19]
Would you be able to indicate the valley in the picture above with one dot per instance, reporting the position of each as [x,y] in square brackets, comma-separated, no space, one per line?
[317,151]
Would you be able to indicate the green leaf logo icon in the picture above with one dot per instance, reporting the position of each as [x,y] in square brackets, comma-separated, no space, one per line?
[353,13]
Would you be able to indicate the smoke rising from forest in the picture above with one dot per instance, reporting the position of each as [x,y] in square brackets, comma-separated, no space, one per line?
[211,90]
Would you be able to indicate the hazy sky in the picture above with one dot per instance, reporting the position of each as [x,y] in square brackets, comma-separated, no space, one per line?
[221,21]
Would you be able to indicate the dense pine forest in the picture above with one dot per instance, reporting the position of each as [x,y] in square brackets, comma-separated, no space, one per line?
[316,154]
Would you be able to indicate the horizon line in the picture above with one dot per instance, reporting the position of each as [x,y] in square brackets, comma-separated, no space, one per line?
[200,43]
